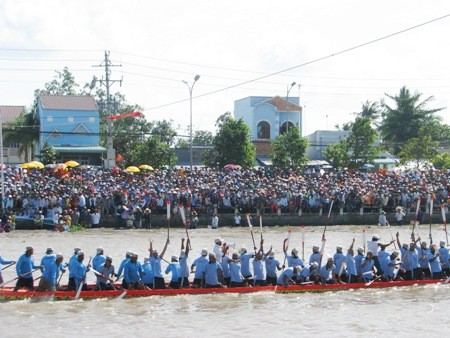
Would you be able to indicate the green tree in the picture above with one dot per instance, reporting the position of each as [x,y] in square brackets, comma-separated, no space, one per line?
[232,143]
[24,131]
[337,154]
[360,142]
[154,152]
[442,161]
[289,150]
[402,122]
[202,138]
[48,153]
[418,149]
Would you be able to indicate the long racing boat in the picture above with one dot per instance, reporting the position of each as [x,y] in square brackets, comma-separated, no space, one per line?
[8,293]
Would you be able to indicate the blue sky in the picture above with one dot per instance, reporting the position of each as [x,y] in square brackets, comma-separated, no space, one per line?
[228,43]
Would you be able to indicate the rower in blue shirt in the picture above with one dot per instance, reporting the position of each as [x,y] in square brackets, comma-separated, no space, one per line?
[199,264]
[328,272]
[2,261]
[104,278]
[285,277]
[434,260]
[71,286]
[79,271]
[147,278]
[24,269]
[184,254]
[393,267]
[293,260]
[175,269]
[133,273]
[338,259]
[50,276]
[258,266]
[352,273]
[309,273]
[245,258]
[155,261]
[212,273]
[236,278]
[121,267]
[272,265]
[368,266]
[358,260]
[315,256]
[444,255]
[98,259]
[48,259]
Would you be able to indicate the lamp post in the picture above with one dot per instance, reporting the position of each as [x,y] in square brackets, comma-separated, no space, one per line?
[287,100]
[191,87]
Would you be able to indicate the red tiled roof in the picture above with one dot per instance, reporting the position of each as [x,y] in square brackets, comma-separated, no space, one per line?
[10,113]
[68,102]
[283,105]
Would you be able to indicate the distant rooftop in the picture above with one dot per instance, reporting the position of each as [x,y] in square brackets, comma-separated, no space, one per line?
[10,113]
[283,105]
[68,102]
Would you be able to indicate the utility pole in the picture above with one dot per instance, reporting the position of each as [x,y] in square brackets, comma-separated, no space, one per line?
[107,82]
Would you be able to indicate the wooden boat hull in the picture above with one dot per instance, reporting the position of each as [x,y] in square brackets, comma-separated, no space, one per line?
[8,293]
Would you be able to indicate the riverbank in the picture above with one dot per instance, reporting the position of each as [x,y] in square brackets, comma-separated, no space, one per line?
[307,219]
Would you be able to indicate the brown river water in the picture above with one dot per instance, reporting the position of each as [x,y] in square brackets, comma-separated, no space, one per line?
[409,311]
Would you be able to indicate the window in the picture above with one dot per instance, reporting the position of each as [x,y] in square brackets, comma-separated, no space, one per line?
[70,119]
[14,145]
[49,118]
[92,119]
[286,126]
[263,130]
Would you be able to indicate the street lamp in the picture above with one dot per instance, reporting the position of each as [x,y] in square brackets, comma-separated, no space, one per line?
[191,87]
[287,100]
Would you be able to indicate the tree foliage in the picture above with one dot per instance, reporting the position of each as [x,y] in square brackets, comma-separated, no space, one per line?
[23,131]
[289,150]
[402,121]
[232,143]
[337,154]
[48,153]
[152,151]
[418,149]
[361,142]
[442,161]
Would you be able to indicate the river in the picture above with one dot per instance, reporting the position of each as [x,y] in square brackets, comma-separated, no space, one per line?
[421,310]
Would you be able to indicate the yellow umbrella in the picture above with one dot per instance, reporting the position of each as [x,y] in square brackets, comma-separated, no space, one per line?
[32,165]
[132,169]
[145,167]
[72,163]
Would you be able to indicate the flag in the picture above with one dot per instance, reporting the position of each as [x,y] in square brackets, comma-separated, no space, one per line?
[119,158]
[122,116]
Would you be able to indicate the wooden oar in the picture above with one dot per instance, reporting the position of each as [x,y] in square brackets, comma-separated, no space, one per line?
[261,226]
[183,217]
[444,220]
[286,246]
[364,239]
[77,296]
[12,280]
[415,218]
[322,249]
[251,231]
[6,267]
[431,217]
[60,277]
[303,242]
[373,280]
[168,218]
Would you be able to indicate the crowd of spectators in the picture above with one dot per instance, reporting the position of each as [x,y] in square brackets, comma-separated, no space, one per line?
[84,196]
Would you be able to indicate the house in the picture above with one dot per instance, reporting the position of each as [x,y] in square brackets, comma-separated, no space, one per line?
[11,152]
[267,118]
[71,124]
[320,140]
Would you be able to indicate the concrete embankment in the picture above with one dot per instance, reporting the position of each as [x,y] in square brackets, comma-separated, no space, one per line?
[306,219]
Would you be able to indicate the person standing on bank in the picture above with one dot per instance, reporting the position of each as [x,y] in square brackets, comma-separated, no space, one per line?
[399,214]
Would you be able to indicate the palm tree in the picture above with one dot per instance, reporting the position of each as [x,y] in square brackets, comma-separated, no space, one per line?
[403,121]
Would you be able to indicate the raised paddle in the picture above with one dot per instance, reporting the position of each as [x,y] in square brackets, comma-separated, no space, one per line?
[261,226]
[286,246]
[6,267]
[183,217]
[12,280]
[250,226]
[444,220]
[431,217]
[77,296]
[415,218]
[364,239]
[303,242]
[168,218]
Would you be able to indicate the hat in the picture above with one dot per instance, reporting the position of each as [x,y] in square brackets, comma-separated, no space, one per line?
[298,269]
[212,254]
[49,250]
[133,254]
[315,265]
[109,258]
[204,252]
[28,248]
[59,256]
[423,243]
[174,258]
[405,245]
[339,248]
[146,260]
[383,212]
[442,243]
[360,250]
[271,254]
[218,240]
[315,248]
[99,250]
[295,251]
[329,258]
[395,253]
[76,250]
[375,238]
[80,253]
